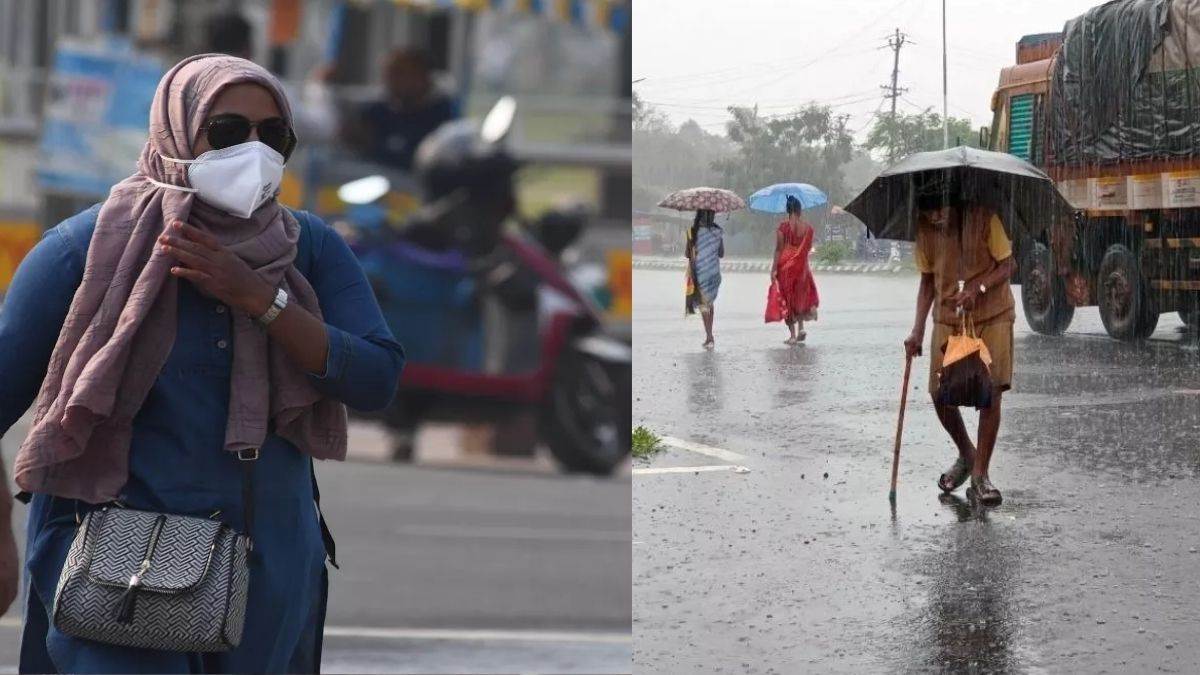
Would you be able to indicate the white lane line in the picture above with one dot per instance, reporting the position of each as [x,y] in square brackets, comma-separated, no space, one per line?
[690,469]
[474,635]
[510,532]
[450,634]
[702,449]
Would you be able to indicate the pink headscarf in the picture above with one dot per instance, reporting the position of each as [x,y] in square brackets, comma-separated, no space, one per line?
[121,324]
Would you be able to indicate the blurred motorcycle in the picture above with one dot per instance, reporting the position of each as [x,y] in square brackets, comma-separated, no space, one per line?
[491,323]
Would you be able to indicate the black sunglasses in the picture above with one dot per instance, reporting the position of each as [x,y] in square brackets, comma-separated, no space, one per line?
[229,129]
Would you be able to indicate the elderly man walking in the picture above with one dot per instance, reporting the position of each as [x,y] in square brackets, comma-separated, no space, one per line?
[957,241]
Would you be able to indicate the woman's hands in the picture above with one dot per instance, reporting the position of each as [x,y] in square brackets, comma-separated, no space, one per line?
[216,270]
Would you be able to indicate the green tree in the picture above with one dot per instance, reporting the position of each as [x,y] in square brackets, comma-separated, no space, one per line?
[666,158]
[648,118]
[810,145]
[917,132]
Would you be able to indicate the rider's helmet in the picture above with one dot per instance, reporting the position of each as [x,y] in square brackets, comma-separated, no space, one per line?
[465,155]
[466,173]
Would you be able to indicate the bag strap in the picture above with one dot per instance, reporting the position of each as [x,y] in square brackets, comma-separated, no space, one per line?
[961,217]
[248,459]
[326,535]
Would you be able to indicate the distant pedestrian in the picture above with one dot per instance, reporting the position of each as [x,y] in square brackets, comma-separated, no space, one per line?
[314,113]
[184,330]
[979,252]
[793,297]
[705,248]
[388,130]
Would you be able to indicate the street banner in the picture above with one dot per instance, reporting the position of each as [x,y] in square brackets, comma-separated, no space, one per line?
[97,113]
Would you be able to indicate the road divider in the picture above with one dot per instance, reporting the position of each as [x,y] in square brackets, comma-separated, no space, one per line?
[763,266]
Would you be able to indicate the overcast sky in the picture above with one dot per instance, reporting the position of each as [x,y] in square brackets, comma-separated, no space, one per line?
[698,56]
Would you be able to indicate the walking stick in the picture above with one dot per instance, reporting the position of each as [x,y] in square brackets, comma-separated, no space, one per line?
[900,427]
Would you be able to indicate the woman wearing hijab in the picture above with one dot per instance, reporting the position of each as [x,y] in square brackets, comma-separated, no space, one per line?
[705,248]
[792,297]
[185,326]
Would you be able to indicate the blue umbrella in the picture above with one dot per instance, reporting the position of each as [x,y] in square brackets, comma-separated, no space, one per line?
[773,199]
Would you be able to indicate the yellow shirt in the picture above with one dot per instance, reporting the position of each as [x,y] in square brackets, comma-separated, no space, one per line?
[998,245]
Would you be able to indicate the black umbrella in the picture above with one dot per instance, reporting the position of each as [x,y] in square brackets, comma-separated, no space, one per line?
[1025,198]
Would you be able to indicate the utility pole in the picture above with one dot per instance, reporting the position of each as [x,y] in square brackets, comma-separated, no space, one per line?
[945,87]
[896,41]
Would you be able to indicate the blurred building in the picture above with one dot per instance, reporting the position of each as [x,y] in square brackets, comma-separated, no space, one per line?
[74,77]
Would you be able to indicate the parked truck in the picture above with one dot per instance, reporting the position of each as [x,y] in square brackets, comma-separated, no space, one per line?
[1110,109]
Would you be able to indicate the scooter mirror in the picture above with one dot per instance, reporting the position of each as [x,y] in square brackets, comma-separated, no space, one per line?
[364,190]
[499,120]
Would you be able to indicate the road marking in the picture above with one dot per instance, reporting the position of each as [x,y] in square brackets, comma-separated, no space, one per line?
[505,532]
[690,469]
[475,635]
[451,634]
[702,449]
[1189,392]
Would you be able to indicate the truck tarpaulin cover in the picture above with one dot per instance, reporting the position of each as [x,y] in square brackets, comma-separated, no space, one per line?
[1126,85]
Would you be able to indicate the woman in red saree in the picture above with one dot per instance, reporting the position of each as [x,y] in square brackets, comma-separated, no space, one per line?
[792,297]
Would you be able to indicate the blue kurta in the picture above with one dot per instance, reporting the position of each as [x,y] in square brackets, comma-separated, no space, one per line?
[177,463]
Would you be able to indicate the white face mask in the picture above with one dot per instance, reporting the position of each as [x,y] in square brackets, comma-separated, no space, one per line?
[237,179]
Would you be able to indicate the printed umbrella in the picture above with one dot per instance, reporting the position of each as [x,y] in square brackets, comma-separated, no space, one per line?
[773,198]
[703,198]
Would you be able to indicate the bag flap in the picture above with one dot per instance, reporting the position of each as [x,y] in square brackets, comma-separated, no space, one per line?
[959,347]
[183,548]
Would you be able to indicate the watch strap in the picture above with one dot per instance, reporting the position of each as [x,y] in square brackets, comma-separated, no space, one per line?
[277,305]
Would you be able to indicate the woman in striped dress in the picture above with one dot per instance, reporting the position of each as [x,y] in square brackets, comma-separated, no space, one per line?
[705,248]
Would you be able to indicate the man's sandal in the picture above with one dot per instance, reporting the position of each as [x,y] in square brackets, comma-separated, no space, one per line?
[984,492]
[955,476]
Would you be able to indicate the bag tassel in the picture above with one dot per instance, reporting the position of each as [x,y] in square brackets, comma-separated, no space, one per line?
[124,611]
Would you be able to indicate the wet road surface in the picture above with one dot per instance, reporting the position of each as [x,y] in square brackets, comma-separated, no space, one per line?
[1090,565]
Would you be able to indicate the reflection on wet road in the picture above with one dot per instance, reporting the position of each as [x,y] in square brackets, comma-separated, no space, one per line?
[800,565]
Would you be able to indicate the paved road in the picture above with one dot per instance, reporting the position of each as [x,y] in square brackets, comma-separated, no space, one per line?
[447,571]
[1090,565]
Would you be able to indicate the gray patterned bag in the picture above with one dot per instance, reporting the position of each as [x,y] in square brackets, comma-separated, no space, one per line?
[153,580]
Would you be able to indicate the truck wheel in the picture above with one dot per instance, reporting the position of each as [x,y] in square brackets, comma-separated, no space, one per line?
[586,422]
[1043,294]
[1189,314]
[1126,307]
[1190,318]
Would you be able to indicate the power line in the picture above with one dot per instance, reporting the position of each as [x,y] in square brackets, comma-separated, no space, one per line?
[722,123]
[834,50]
[870,119]
[765,106]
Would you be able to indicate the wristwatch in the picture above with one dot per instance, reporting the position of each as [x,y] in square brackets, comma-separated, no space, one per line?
[982,289]
[277,305]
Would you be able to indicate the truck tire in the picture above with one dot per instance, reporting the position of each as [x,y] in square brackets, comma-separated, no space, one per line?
[1126,307]
[1189,313]
[1043,293]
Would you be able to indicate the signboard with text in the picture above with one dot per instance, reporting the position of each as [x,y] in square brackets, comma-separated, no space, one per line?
[97,113]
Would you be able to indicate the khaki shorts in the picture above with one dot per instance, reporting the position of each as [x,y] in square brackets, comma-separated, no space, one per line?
[998,336]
